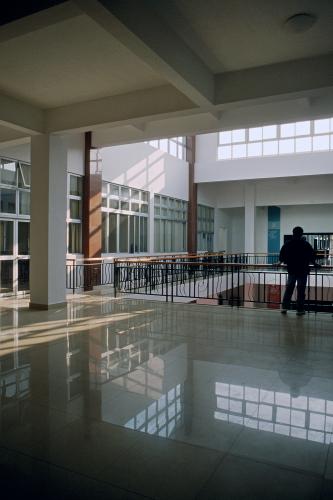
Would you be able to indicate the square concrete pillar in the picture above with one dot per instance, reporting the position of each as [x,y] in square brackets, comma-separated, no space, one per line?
[48,231]
[250,217]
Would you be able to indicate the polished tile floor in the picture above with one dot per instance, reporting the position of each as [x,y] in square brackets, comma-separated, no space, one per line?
[128,399]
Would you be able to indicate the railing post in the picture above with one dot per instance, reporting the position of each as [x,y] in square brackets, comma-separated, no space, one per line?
[316,285]
[115,279]
[238,297]
[171,281]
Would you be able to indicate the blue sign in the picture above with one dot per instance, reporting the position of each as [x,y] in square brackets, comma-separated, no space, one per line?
[273,241]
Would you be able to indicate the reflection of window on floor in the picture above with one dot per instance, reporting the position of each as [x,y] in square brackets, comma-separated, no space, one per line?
[300,417]
[125,357]
[162,416]
[122,352]
[14,377]
[74,366]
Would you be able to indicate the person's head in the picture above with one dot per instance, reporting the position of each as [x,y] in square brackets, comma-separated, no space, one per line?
[297,232]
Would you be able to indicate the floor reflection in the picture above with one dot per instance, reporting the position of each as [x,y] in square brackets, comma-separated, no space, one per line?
[187,375]
[273,411]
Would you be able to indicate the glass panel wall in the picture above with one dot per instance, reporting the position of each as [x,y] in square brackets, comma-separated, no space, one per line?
[288,138]
[23,275]
[6,237]
[6,276]
[124,219]
[8,172]
[8,201]
[205,217]
[14,225]
[23,238]
[176,146]
[74,237]
[170,222]
[74,214]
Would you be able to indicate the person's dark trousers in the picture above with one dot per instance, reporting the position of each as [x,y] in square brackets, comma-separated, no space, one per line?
[301,280]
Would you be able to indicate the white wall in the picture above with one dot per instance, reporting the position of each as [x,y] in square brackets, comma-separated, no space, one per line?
[312,218]
[75,153]
[261,233]
[19,152]
[295,191]
[304,201]
[74,144]
[232,220]
[207,194]
[141,166]
[209,169]
[144,167]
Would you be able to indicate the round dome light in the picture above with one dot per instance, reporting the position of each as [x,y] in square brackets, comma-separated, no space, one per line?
[299,23]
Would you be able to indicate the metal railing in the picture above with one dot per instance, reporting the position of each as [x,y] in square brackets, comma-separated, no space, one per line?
[232,283]
[217,257]
[87,275]
[210,276]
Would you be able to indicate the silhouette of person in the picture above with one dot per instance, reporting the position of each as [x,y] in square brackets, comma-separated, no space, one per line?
[298,254]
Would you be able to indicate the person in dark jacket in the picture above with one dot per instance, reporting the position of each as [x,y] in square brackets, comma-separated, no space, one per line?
[298,254]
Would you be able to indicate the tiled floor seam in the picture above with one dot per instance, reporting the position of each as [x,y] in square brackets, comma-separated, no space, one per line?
[326,460]
[271,464]
[41,461]
[224,455]
[220,462]
[279,466]
[322,488]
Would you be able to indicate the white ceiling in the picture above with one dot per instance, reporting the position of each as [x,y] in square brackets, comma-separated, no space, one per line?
[237,34]
[68,62]
[145,69]
[8,134]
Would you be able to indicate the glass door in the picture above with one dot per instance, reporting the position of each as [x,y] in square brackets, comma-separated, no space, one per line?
[14,226]
[6,256]
[14,256]
[23,258]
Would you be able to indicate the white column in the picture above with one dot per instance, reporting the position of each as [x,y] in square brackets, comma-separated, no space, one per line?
[48,221]
[250,217]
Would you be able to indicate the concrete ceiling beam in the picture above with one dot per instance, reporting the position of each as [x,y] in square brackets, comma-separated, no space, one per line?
[21,116]
[39,20]
[275,81]
[138,27]
[197,122]
[120,110]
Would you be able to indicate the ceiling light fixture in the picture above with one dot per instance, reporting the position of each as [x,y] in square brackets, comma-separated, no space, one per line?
[299,23]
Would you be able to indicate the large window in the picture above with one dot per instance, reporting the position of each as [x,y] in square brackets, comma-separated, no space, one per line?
[74,214]
[170,224]
[271,140]
[14,225]
[175,146]
[205,218]
[124,219]
[6,237]
[14,188]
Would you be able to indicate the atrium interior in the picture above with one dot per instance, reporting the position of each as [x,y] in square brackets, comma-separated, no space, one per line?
[154,158]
